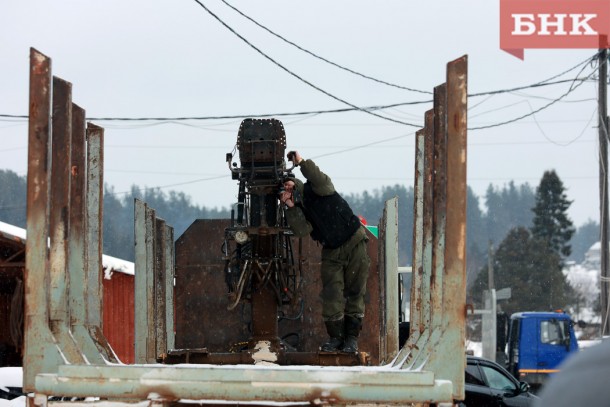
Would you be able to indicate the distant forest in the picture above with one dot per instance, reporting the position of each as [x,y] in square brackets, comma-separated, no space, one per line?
[488,219]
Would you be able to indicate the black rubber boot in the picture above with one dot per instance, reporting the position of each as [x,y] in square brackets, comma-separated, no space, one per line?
[335,331]
[353,326]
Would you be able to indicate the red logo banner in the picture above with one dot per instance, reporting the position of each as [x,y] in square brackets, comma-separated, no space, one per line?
[553,24]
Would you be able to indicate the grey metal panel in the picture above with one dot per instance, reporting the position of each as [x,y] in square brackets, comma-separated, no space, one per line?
[151,347]
[94,214]
[169,287]
[391,278]
[77,243]
[59,220]
[159,287]
[141,311]
[94,237]
[422,248]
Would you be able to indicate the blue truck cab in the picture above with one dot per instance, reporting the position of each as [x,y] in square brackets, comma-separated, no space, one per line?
[537,343]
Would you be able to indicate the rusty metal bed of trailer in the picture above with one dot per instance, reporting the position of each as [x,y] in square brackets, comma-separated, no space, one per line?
[66,354]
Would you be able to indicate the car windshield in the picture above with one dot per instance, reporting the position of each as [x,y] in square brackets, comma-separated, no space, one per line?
[497,379]
[473,376]
[553,332]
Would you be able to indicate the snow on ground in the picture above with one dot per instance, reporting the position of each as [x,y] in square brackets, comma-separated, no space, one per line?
[10,377]
[585,279]
[475,347]
[17,402]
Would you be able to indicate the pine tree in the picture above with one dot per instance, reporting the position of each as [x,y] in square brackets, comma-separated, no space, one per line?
[525,264]
[551,222]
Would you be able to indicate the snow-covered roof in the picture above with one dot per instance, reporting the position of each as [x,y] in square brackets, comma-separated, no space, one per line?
[109,263]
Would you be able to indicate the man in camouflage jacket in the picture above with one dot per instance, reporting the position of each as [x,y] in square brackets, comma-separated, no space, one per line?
[315,208]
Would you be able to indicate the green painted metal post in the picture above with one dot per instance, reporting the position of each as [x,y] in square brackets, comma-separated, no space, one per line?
[151,343]
[59,220]
[77,255]
[390,336]
[94,238]
[140,329]
[422,248]
[169,287]
[145,344]
[94,219]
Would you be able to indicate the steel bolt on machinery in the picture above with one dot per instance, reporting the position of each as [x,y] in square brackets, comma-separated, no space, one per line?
[66,355]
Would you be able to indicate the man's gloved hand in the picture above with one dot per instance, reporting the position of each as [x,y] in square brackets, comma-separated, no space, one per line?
[295,157]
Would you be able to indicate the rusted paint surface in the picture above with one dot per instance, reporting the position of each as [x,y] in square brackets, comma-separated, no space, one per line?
[59,217]
[77,253]
[59,220]
[202,318]
[428,224]
[37,337]
[441,293]
[439,196]
[418,227]
[159,287]
[455,247]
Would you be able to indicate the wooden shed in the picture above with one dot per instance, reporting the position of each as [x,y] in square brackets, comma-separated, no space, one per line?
[118,291]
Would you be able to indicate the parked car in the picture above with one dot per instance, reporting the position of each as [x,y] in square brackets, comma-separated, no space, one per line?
[488,384]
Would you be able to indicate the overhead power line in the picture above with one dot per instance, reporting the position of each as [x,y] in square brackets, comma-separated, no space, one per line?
[322,58]
[541,83]
[303,113]
[297,76]
[533,112]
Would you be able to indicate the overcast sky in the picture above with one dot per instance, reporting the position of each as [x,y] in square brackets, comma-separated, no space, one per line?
[167,59]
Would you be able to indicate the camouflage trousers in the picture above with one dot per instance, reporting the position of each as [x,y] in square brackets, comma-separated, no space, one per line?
[345,271]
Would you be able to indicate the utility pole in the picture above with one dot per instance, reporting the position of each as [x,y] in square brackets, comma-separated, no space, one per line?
[490,267]
[602,110]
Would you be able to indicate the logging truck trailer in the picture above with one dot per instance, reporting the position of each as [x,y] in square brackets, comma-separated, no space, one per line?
[66,356]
